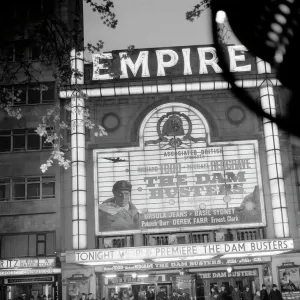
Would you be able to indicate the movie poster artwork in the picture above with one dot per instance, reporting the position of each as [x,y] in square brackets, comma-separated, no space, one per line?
[177,178]
[290,279]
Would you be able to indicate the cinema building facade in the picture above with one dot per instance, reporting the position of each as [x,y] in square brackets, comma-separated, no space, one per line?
[189,189]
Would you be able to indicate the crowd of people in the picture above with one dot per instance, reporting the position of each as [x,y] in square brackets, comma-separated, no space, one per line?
[38,297]
[149,294]
[222,294]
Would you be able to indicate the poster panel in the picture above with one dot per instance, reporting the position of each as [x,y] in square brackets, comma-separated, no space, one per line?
[177,179]
[290,281]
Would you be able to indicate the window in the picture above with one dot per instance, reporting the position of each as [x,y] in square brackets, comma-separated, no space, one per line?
[41,245]
[33,95]
[5,141]
[115,242]
[200,237]
[33,140]
[19,139]
[4,189]
[27,188]
[248,234]
[160,239]
[22,140]
[34,52]
[27,245]
[15,53]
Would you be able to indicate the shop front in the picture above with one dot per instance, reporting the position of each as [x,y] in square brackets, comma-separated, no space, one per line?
[186,283]
[30,278]
[191,271]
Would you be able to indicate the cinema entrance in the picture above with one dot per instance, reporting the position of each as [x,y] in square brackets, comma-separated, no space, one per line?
[207,280]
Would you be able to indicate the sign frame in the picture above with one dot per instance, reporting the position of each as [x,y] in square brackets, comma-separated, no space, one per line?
[182,251]
[179,228]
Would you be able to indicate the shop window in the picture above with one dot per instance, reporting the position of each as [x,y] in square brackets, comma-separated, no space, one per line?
[27,188]
[27,245]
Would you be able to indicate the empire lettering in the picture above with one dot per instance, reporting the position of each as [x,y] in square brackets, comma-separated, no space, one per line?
[138,66]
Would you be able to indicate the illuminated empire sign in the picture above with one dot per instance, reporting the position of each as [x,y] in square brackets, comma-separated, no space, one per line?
[110,255]
[166,62]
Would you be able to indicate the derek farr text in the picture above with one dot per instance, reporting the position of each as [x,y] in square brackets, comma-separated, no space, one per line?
[186,218]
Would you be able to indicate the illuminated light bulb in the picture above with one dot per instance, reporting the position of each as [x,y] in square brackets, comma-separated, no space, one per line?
[290,32]
[134,275]
[229,269]
[285,41]
[285,9]
[280,19]
[220,17]
[276,27]
[270,44]
[273,36]
[278,57]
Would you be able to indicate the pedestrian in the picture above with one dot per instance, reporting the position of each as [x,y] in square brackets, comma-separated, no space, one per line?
[264,293]
[236,293]
[213,293]
[150,295]
[174,295]
[275,294]
[257,295]
[247,295]
[223,294]
[162,295]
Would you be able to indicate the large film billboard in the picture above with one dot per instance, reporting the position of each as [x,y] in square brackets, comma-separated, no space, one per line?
[177,179]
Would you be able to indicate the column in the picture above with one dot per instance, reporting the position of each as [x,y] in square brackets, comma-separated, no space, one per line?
[277,189]
[79,218]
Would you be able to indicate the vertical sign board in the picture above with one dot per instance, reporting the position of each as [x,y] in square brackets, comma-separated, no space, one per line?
[289,279]
[177,179]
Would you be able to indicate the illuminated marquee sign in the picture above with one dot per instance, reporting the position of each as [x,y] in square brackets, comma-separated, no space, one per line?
[41,271]
[225,274]
[166,62]
[188,264]
[129,279]
[42,262]
[177,179]
[111,255]
[29,280]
